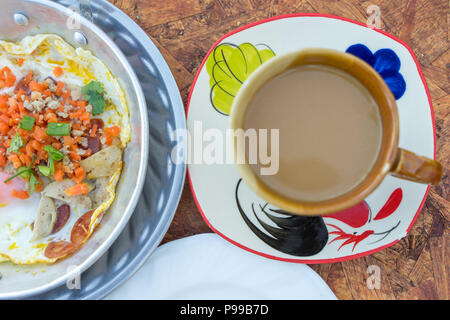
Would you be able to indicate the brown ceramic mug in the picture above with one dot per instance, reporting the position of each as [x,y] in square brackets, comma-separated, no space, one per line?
[391,159]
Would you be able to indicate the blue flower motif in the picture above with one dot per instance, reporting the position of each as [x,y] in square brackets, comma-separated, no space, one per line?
[386,63]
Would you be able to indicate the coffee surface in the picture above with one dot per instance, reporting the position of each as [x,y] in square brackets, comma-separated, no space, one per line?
[329,131]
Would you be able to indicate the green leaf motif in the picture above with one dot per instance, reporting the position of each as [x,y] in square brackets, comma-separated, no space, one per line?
[229,66]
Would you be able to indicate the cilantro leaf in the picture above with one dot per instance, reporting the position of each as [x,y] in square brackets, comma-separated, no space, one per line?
[93,92]
[16,143]
[98,103]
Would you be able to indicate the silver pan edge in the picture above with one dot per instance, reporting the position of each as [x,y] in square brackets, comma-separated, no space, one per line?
[49,17]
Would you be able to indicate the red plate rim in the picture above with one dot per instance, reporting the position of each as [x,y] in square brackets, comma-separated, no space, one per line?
[295,15]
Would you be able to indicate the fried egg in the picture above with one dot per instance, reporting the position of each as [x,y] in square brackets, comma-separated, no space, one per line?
[42,54]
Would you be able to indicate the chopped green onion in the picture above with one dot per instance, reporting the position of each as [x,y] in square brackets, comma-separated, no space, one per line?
[55,154]
[51,164]
[46,171]
[58,129]
[27,123]
[33,182]
[24,172]
[16,143]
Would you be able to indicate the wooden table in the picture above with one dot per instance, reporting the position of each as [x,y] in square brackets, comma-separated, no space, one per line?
[415,267]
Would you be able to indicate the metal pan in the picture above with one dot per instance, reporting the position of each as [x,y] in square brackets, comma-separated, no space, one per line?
[25,17]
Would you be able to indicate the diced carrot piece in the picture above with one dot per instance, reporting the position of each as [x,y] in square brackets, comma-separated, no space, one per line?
[4,128]
[20,62]
[85,116]
[40,134]
[20,194]
[2,157]
[39,186]
[42,154]
[3,102]
[29,149]
[14,158]
[58,71]
[56,145]
[112,131]
[79,175]
[25,159]
[12,103]
[59,87]
[34,86]
[29,77]
[75,156]
[36,145]
[82,103]
[80,188]
[94,130]
[7,77]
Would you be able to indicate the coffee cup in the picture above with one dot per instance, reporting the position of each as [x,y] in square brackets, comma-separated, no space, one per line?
[389,158]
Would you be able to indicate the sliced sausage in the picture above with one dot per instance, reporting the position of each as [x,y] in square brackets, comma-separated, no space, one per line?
[45,219]
[102,164]
[56,190]
[62,216]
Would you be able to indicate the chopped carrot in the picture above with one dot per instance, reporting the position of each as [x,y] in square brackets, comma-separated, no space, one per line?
[80,188]
[56,145]
[85,116]
[40,134]
[20,62]
[36,145]
[58,71]
[29,150]
[3,102]
[34,86]
[4,128]
[94,130]
[82,103]
[59,88]
[59,174]
[108,139]
[75,156]
[39,186]
[14,158]
[68,141]
[25,159]
[20,194]
[29,77]
[79,174]
[7,78]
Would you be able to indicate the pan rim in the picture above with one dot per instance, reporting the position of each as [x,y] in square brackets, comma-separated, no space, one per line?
[97,253]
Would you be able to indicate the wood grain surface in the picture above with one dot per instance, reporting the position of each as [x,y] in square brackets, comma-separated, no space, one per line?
[415,267]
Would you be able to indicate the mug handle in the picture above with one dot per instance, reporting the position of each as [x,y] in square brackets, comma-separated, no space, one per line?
[411,166]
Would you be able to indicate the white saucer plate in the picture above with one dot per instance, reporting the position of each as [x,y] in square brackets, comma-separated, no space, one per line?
[387,214]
